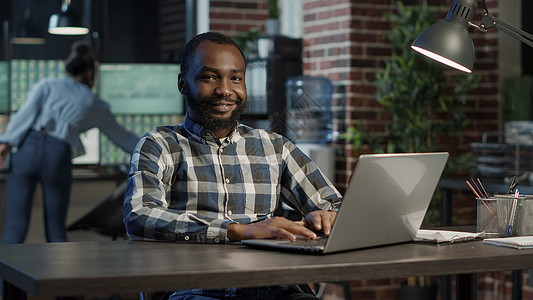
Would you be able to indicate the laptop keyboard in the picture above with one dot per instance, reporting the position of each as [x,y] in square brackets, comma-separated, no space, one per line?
[307,242]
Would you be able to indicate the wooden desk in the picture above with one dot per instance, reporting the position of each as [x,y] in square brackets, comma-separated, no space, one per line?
[79,268]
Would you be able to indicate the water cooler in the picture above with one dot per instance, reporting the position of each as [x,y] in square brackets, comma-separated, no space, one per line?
[309,119]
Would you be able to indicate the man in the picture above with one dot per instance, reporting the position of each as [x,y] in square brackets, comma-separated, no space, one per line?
[213,180]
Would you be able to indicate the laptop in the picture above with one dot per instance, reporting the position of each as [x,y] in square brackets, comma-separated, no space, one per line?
[385,203]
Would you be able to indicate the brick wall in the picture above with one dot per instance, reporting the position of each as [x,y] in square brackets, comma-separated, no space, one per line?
[237,16]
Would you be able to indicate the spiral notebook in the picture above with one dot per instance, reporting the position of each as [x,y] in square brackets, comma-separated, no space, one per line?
[517,242]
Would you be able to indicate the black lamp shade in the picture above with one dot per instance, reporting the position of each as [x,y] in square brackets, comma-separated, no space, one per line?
[448,43]
[66,22]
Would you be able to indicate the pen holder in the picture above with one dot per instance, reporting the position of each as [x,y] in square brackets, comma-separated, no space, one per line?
[515,215]
[487,216]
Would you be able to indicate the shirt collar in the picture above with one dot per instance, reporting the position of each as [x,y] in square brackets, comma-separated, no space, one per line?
[202,134]
[194,129]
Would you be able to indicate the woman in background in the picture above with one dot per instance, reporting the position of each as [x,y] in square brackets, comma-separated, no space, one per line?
[43,137]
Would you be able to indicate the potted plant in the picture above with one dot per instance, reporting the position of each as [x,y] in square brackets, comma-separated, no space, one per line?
[247,41]
[272,24]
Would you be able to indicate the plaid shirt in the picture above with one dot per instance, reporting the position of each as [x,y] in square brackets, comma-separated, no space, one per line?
[184,184]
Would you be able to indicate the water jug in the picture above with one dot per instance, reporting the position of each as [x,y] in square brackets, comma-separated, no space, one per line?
[309,118]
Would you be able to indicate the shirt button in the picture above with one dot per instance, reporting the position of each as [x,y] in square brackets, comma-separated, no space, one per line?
[230,212]
[227,180]
[187,237]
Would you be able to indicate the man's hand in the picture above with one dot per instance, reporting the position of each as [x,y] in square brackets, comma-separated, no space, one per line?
[320,220]
[275,228]
[282,228]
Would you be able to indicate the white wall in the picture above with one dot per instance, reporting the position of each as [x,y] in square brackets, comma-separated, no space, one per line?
[291,18]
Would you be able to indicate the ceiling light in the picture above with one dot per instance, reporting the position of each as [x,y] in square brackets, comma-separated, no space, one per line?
[67,22]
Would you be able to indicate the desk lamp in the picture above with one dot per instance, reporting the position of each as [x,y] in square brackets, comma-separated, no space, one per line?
[450,43]
[66,22]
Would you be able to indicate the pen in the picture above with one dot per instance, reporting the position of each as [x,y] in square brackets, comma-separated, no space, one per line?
[512,185]
[513,212]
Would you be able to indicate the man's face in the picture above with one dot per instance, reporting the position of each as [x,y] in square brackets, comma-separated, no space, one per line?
[215,86]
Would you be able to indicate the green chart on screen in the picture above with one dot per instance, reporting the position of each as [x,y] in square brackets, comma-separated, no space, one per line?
[140,88]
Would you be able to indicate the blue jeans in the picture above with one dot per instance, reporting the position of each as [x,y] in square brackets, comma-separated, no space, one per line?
[40,158]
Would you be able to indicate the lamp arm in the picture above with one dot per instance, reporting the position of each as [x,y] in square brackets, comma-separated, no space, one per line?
[488,21]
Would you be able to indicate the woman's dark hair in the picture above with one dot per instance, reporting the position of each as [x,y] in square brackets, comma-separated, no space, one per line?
[81,59]
[190,48]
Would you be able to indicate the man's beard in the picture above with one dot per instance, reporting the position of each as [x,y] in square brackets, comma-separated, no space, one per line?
[210,122]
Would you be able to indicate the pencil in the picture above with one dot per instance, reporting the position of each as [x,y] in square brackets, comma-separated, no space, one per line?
[476,187]
[473,190]
[483,188]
